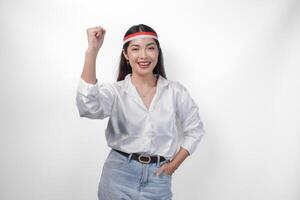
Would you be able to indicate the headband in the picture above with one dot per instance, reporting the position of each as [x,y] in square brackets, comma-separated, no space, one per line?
[139,35]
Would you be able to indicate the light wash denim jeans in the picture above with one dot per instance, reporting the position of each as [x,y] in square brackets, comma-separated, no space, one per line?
[126,179]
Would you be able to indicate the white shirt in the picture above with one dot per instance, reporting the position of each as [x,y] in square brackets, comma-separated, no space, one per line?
[132,128]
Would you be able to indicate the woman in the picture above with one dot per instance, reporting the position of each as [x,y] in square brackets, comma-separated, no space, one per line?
[143,108]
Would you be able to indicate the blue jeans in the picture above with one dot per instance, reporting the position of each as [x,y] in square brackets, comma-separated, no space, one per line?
[126,179]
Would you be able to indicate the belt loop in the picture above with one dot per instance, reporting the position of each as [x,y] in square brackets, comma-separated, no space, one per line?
[158,161]
[129,157]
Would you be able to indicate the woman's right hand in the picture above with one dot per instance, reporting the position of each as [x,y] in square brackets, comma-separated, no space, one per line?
[95,38]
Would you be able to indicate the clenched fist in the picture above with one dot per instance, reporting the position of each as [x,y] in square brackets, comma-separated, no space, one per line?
[95,38]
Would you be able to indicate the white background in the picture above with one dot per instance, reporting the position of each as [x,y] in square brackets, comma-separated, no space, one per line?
[239,60]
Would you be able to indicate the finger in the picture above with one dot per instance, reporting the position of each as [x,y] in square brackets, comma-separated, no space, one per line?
[159,171]
[100,28]
[98,34]
[100,31]
[94,30]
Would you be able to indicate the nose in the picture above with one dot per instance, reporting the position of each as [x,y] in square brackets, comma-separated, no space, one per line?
[143,53]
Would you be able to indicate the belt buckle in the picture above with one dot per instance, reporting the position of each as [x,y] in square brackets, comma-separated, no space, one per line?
[144,161]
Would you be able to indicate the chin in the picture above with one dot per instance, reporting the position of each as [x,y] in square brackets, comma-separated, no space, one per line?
[144,72]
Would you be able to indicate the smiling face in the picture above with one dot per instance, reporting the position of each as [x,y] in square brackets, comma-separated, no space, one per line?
[142,54]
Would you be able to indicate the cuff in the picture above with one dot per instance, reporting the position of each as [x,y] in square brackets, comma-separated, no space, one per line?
[86,88]
[190,143]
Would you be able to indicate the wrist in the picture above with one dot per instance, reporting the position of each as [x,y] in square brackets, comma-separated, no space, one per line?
[173,164]
[91,52]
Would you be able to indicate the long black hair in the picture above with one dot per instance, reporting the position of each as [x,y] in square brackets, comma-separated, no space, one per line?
[124,67]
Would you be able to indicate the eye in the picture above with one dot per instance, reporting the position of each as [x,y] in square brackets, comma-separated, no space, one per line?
[151,48]
[134,49]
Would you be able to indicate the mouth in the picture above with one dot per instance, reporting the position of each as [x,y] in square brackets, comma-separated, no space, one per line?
[144,64]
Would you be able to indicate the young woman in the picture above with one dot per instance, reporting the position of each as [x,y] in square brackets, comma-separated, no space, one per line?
[143,108]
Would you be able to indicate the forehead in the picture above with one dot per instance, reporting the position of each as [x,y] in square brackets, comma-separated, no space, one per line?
[142,41]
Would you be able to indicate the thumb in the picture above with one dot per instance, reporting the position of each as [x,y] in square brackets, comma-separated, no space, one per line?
[101,32]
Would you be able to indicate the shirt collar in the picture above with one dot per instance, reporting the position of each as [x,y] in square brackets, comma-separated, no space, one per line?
[130,88]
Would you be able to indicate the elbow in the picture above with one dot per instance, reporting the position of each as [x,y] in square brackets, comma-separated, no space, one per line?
[89,115]
[91,110]
[83,114]
[84,110]
[98,114]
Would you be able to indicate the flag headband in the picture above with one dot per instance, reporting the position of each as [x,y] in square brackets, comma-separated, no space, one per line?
[139,35]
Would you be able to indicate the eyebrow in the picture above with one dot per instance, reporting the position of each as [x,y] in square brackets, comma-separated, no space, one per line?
[152,43]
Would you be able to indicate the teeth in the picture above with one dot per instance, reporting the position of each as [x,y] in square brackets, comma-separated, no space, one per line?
[144,63]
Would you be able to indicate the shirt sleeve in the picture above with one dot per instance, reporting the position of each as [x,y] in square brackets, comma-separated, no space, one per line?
[94,101]
[189,118]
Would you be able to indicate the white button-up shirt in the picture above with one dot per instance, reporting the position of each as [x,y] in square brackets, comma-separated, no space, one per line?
[171,121]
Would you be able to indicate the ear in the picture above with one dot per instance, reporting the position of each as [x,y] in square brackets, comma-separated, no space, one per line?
[125,55]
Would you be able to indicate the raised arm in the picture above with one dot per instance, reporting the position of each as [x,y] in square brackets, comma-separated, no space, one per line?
[95,41]
[94,100]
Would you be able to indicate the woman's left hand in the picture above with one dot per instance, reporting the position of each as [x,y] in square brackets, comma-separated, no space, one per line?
[167,168]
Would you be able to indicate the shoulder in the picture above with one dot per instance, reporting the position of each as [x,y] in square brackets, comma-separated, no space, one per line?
[118,86]
[177,86]
[180,91]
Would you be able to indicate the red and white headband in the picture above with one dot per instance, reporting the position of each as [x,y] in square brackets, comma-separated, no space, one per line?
[139,35]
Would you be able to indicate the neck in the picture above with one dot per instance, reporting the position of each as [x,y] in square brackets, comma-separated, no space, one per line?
[143,81]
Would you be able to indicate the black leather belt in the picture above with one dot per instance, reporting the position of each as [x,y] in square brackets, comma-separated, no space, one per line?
[142,158]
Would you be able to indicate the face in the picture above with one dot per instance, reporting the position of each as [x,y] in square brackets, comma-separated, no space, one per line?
[142,54]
